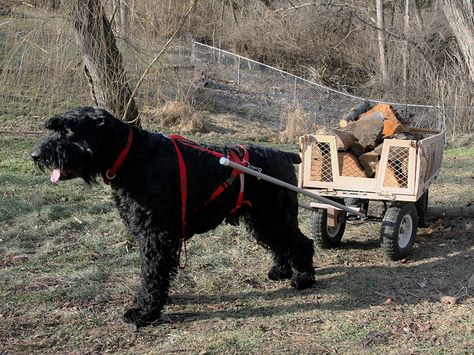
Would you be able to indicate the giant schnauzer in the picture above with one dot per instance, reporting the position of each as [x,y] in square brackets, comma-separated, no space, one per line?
[167,189]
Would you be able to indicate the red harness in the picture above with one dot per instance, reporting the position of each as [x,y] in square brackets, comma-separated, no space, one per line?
[233,156]
[218,191]
[110,174]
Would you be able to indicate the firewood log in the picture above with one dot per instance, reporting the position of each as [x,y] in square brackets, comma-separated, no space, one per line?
[354,113]
[368,131]
[392,124]
[369,162]
[349,165]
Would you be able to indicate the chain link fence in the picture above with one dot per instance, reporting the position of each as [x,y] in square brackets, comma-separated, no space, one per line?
[41,74]
[262,92]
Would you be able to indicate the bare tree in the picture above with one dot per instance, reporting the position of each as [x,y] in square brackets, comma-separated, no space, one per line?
[406,29]
[122,17]
[102,60]
[52,5]
[460,16]
[381,38]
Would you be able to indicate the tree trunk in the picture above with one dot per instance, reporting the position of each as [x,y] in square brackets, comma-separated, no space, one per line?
[102,60]
[460,16]
[406,29]
[52,5]
[122,18]
[381,38]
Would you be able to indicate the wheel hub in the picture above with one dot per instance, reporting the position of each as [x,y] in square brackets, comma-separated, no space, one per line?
[405,231]
[333,231]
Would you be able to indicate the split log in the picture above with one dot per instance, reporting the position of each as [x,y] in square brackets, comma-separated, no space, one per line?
[369,162]
[354,113]
[392,124]
[349,165]
[368,130]
[396,174]
[357,149]
[344,139]
[378,149]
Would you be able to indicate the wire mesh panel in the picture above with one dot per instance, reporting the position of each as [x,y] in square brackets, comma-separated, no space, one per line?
[396,173]
[321,166]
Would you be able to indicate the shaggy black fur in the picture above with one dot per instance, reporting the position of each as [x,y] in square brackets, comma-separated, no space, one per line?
[86,142]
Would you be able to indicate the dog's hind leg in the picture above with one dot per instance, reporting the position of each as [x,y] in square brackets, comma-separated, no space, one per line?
[292,251]
[297,255]
[159,261]
[301,253]
[281,268]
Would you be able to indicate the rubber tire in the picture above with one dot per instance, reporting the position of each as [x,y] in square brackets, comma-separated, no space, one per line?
[390,230]
[319,232]
[422,209]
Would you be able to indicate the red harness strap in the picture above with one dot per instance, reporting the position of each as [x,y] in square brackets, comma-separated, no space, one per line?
[184,192]
[110,174]
[219,190]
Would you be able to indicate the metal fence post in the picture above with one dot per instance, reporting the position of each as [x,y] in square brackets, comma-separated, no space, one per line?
[193,52]
[294,93]
[238,70]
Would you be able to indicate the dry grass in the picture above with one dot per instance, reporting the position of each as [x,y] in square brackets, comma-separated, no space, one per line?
[176,116]
[68,270]
[298,123]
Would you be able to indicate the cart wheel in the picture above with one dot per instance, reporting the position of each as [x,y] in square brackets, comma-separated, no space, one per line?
[422,209]
[399,230]
[324,236]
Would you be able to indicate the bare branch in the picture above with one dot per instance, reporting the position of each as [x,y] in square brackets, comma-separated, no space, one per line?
[167,44]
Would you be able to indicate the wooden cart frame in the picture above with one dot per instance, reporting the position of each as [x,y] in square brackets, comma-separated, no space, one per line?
[405,171]
[403,175]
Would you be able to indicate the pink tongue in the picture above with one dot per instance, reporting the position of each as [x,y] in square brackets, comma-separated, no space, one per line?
[55,176]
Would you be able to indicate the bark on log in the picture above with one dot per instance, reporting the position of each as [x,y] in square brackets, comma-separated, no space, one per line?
[368,130]
[369,162]
[344,139]
[391,125]
[354,114]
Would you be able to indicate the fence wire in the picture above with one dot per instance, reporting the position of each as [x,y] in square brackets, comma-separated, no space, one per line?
[41,74]
[262,92]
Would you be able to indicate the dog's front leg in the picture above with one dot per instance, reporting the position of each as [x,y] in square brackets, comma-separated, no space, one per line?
[159,261]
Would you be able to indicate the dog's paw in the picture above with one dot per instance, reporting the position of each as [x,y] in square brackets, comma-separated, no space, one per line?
[302,280]
[279,272]
[139,317]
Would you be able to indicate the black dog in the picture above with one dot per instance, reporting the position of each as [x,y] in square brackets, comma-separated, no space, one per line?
[166,187]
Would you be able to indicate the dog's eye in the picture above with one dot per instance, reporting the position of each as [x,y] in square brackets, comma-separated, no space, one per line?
[65,131]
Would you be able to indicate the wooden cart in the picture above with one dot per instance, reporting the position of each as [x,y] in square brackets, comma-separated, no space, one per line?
[403,175]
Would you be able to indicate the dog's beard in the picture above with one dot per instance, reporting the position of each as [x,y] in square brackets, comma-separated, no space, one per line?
[67,161]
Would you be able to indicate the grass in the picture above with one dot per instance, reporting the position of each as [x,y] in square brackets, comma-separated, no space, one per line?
[69,268]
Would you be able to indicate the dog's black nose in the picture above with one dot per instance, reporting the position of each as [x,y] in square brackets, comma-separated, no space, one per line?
[35,153]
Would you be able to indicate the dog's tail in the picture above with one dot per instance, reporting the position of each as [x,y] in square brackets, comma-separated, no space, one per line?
[293,157]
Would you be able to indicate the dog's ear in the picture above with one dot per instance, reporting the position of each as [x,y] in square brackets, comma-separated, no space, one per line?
[54,123]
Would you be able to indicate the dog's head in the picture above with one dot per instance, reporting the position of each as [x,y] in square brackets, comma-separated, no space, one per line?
[73,148]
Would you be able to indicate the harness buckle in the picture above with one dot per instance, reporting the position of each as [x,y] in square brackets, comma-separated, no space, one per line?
[109,177]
